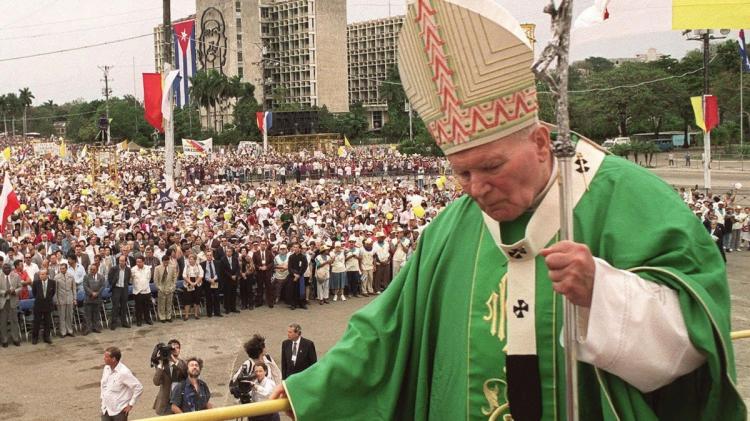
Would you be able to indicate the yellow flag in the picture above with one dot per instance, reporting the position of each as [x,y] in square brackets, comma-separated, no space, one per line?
[342,152]
[692,14]
[63,149]
[346,142]
[698,111]
[6,154]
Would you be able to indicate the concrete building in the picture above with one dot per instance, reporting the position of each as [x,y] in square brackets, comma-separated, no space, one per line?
[372,48]
[293,51]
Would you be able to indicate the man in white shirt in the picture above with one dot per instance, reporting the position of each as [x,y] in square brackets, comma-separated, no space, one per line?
[120,389]
[141,277]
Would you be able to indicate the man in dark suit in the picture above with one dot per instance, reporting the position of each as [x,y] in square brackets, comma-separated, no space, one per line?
[297,353]
[44,303]
[263,261]
[296,281]
[230,274]
[118,280]
[211,285]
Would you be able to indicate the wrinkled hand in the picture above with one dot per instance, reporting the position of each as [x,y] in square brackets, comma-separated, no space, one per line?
[571,269]
[280,393]
[127,409]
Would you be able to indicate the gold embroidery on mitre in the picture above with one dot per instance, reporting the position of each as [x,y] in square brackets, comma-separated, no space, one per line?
[491,389]
[496,309]
[468,76]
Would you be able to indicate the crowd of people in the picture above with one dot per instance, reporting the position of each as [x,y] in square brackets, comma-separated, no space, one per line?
[726,220]
[217,244]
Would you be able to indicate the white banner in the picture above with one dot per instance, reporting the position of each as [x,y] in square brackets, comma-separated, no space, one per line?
[192,147]
[249,146]
[44,148]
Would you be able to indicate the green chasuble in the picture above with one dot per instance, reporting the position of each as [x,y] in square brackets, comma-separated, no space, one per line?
[433,345]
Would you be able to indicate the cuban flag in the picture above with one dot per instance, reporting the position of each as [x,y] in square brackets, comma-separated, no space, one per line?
[743,52]
[184,57]
[264,120]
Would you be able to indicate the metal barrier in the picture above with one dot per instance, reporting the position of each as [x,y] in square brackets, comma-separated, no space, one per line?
[229,412]
[278,405]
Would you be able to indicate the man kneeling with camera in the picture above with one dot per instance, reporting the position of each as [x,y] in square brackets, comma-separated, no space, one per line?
[170,370]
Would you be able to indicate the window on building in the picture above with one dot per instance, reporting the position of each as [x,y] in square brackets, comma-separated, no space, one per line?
[240,72]
[377,120]
[239,24]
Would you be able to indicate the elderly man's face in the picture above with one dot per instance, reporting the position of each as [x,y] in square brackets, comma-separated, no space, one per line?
[505,176]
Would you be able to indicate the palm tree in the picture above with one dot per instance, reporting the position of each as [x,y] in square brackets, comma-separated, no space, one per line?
[4,111]
[199,91]
[12,105]
[24,97]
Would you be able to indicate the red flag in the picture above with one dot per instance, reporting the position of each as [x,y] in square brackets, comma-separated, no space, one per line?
[711,112]
[8,202]
[152,100]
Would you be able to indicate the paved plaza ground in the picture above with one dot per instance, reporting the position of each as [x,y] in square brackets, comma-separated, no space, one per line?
[61,381]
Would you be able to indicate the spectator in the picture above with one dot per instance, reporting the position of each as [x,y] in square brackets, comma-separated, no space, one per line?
[93,285]
[10,288]
[120,389]
[44,298]
[191,394]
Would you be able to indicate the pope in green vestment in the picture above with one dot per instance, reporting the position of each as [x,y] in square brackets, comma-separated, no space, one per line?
[482,291]
[431,347]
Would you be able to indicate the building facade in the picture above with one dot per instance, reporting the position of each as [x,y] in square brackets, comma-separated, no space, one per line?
[293,51]
[372,48]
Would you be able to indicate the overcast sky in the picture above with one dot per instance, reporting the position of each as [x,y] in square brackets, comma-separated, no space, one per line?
[38,26]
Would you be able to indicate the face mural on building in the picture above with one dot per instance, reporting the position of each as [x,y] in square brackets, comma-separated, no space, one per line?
[212,47]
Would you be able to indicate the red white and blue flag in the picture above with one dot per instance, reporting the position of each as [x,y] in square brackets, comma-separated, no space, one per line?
[184,57]
[264,120]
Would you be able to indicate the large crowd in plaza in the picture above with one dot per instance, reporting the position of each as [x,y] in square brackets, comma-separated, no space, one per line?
[238,231]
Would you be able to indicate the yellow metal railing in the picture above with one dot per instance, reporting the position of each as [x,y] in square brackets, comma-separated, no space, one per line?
[229,412]
[278,405]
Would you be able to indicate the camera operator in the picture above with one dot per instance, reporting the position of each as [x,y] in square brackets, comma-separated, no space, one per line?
[170,370]
[241,384]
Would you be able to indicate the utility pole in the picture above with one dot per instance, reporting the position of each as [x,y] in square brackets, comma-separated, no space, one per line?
[106,91]
[705,36]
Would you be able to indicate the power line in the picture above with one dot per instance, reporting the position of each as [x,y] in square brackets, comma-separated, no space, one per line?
[634,85]
[49,34]
[9,28]
[83,47]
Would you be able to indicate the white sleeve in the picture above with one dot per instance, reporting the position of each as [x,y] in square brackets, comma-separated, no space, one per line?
[635,330]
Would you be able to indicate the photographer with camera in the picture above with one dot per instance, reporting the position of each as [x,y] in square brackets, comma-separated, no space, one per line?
[241,384]
[170,370]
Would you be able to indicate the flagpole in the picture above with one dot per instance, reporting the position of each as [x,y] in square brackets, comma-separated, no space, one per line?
[169,136]
[742,117]
[265,135]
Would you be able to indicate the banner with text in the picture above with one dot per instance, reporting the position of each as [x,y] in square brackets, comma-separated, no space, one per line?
[192,147]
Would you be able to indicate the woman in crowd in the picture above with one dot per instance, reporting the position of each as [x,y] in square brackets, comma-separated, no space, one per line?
[193,279]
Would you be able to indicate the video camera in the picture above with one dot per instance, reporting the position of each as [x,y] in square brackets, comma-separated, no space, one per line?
[161,353]
[242,386]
